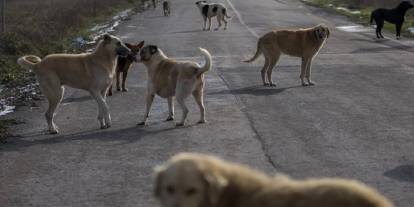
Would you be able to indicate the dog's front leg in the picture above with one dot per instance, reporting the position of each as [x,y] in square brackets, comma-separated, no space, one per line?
[398,30]
[117,80]
[149,99]
[124,77]
[104,117]
[205,23]
[308,72]
[170,109]
[303,71]
[209,23]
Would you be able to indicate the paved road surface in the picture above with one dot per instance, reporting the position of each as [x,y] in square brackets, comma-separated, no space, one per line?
[357,122]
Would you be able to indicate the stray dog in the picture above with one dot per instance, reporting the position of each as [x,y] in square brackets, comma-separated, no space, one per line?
[168,78]
[166,8]
[303,43]
[195,180]
[394,16]
[123,66]
[92,72]
[211,10]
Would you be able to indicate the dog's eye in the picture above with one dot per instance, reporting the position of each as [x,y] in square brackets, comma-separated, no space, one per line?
[191,192]
[170,190]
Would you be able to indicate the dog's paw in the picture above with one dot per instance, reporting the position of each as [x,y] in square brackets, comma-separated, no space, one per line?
[53,131]
[202,121]
[305,84]
[311,83]
[106,126]
[265,84]
[170,119]
[118,89]
[124,89]
[272,84]
[179,124]
[143,123]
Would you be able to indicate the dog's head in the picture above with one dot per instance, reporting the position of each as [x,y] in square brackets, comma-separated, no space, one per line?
[146,54]
[187,181]
[321,32]
[405,5]
[134,50]
[112,43]
[198,3]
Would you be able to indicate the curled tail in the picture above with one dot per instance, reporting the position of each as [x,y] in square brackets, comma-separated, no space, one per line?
[225,13]
[28,61]
[208,60]
[257,54]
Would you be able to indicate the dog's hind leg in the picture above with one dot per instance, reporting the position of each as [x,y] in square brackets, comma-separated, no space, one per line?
[308,71]
[219,22]
[264,70]
[117,81]
[170,109]
[225,22]
[149,99]
[209,23]
[272,64]
[54,95]
[183,90]
[198,96]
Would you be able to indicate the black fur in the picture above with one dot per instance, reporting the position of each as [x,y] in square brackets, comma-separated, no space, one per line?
[153,49]
[394,16]
[205,10]
[215,8]
[224,11]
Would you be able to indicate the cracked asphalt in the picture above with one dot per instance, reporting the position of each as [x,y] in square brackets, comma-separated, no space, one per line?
[357,122]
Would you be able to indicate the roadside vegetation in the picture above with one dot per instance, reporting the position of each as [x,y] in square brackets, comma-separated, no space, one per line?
[42,27]
[359,11]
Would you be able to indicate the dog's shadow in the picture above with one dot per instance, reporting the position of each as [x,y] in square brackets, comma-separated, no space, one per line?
[188,31]
[402,173]
[254,90]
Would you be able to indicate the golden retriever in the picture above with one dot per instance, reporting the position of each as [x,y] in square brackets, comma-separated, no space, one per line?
[196,180]
[303,43]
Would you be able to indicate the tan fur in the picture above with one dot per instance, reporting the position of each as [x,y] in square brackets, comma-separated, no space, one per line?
[303,43]
[168,78]
[92,72]
[196,180]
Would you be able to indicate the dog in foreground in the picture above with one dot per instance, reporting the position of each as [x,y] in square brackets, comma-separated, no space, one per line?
[210,10]
[92,72]
[394,16]
[196,180]
[123,66]
[168,78]
[303,43]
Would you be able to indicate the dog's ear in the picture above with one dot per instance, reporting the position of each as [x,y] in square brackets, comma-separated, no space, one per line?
[215,184]
[159,173]
[141,44]
[153,49]
[129,45]
[328,32]
[107,37]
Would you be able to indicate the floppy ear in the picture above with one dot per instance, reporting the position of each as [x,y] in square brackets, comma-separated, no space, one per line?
[141,44]
[159,173]
[215,184]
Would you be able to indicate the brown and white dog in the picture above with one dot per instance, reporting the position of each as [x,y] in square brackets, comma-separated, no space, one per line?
[169,78]
[196,180]
[123,66]
[92,72]
[303,43]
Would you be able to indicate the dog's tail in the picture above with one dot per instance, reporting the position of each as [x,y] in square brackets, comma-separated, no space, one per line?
[208,60]
[225,13]
[29,61]
[257,54]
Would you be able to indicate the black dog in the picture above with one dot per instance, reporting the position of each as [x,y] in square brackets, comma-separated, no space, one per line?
[394,16]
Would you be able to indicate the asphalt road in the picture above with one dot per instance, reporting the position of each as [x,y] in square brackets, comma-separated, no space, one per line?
[357,122]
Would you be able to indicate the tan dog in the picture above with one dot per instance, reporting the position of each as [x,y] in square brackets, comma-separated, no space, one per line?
[303,43]
[92,72]
[195,180]
[168,78]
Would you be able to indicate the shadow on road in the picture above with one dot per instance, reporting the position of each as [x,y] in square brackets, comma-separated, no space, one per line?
[122,136]
[402,173]
[254,90]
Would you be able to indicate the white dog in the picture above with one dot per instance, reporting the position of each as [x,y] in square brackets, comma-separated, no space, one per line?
[209,10]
